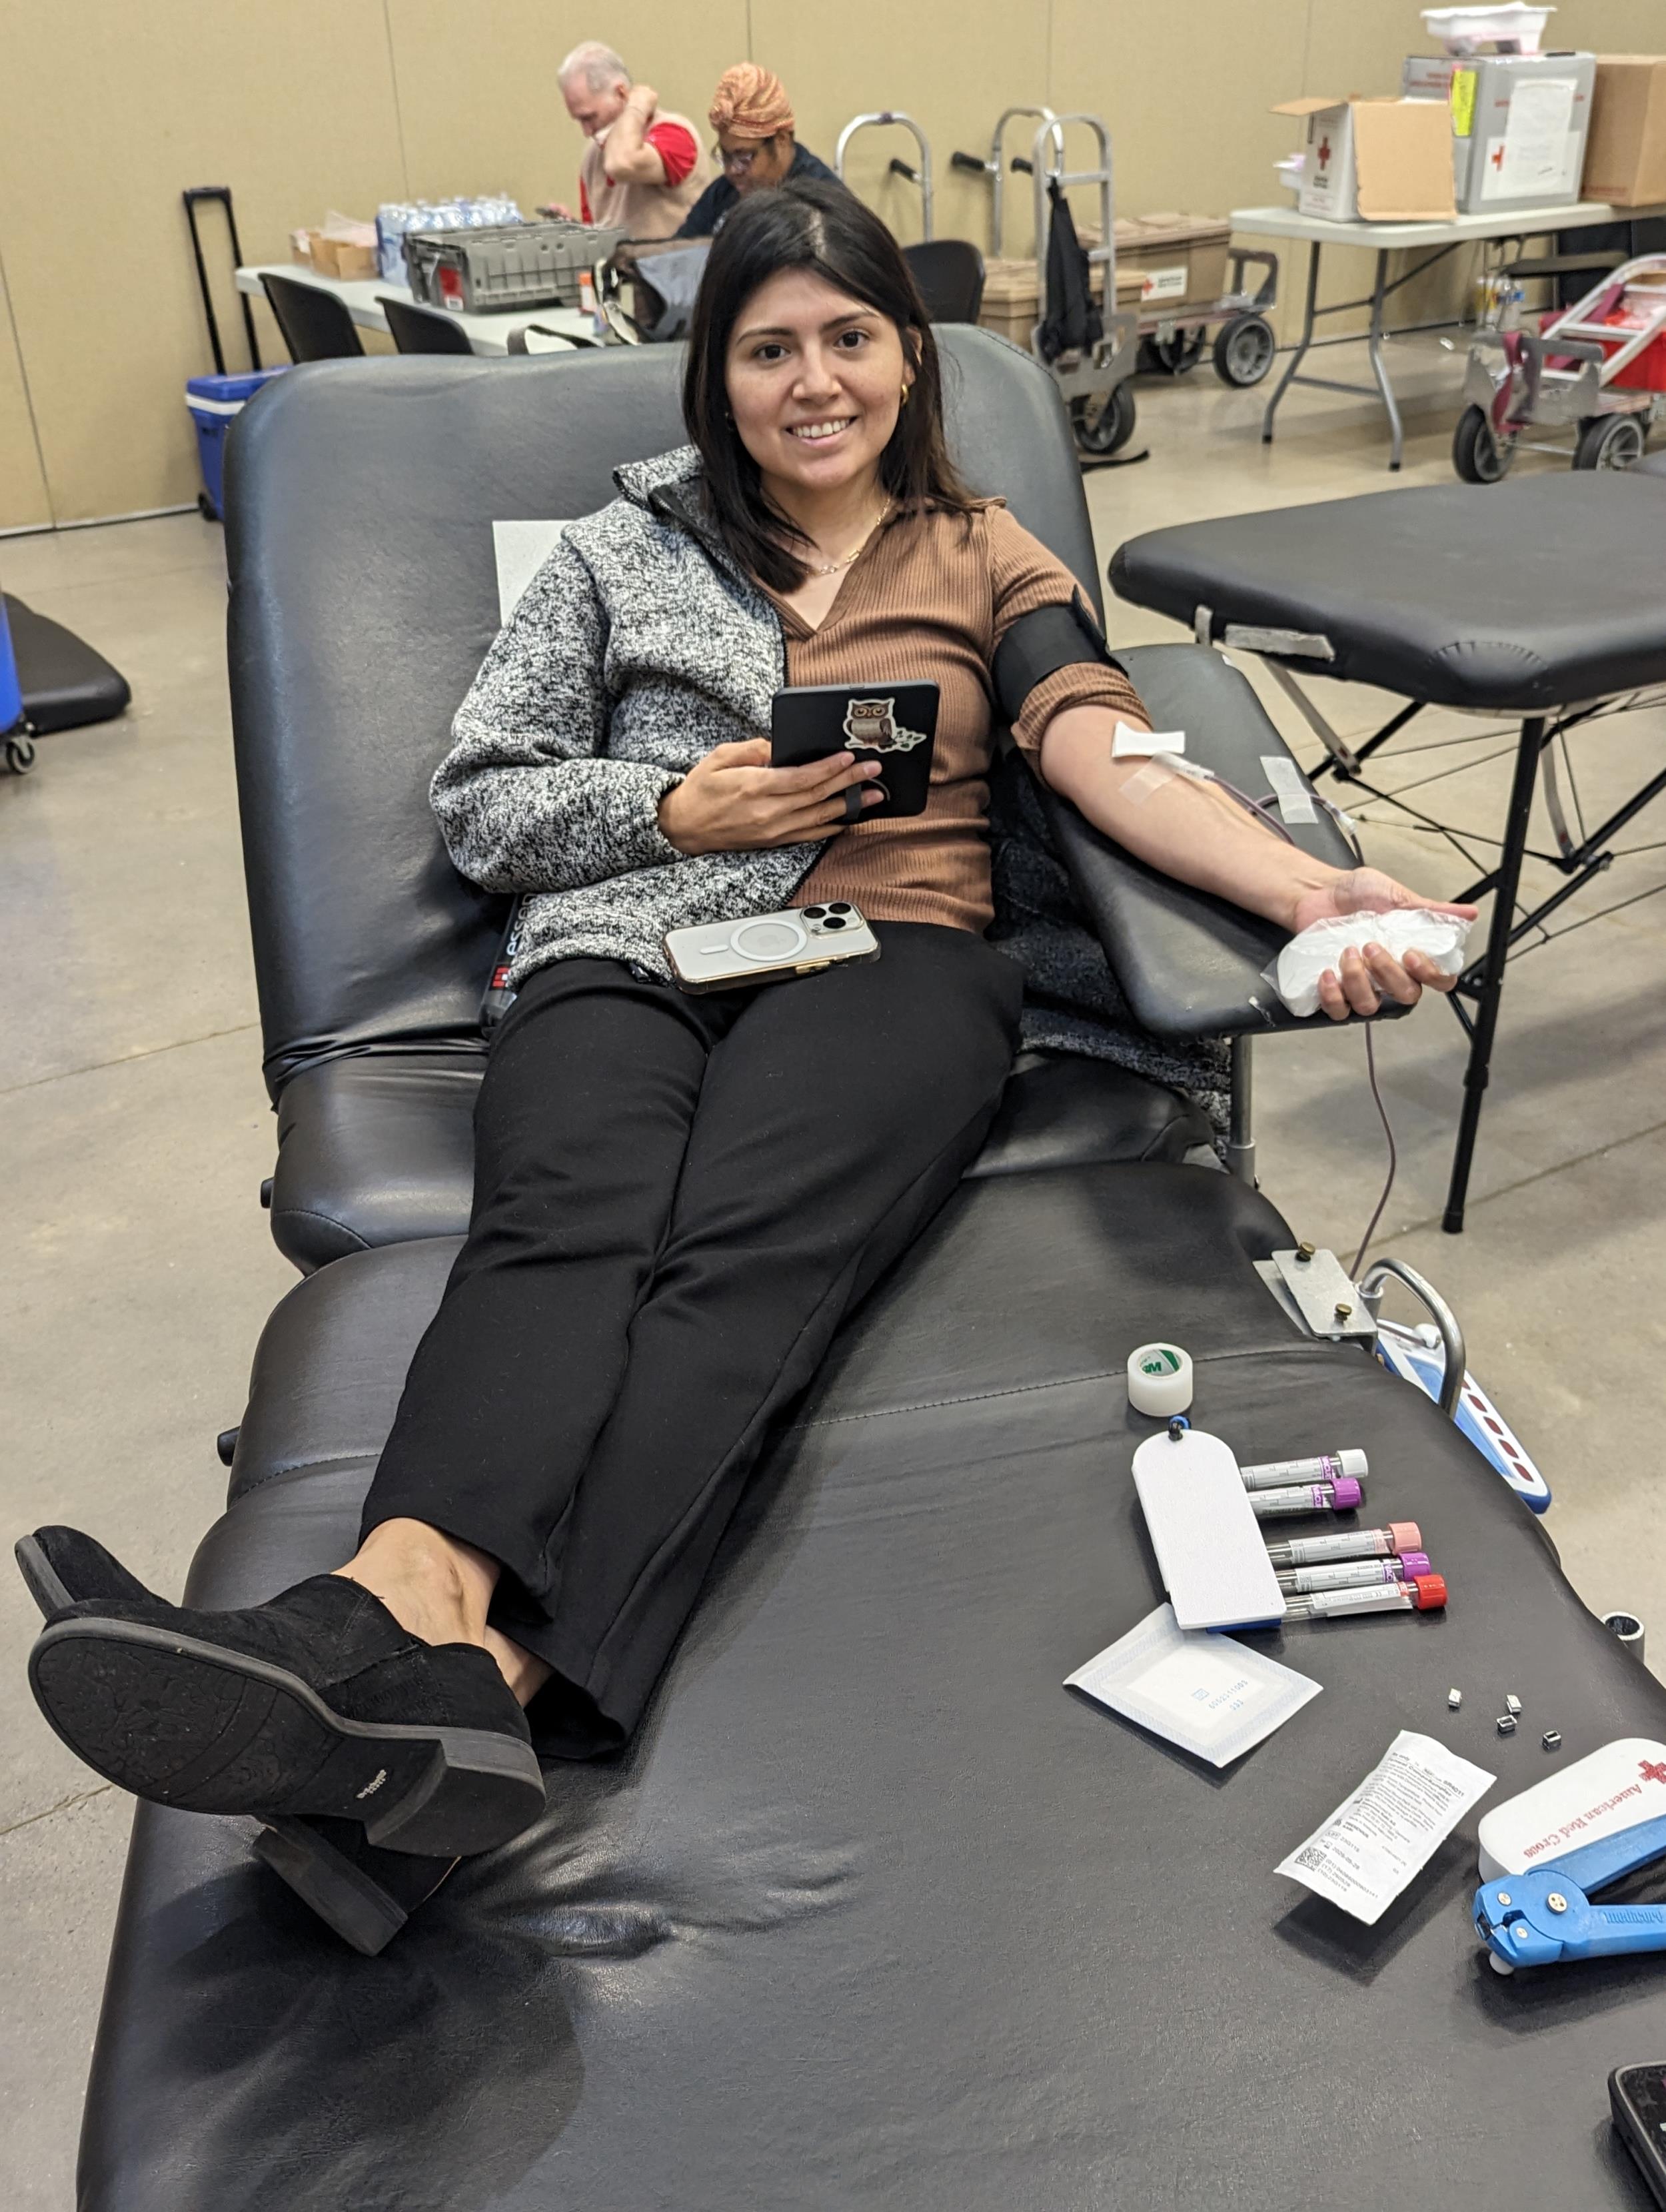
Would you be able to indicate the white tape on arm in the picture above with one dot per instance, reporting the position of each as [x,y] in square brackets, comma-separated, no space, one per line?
[1295,800]
[1134,744]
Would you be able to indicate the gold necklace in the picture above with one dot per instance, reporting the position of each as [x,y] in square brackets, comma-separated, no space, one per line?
[832,567]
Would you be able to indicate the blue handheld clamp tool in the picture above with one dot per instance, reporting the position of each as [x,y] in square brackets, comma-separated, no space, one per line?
[1545,1916]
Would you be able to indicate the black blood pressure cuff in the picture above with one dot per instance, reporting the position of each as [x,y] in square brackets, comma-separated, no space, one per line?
[1041,643]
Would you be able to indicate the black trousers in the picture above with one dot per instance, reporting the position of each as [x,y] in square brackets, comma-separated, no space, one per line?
[677,1200]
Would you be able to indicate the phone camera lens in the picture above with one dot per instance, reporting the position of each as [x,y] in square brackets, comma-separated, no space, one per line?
[836,921]
[814,912]
[839,906]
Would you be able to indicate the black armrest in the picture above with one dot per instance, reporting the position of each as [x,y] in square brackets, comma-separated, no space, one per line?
[1190,965]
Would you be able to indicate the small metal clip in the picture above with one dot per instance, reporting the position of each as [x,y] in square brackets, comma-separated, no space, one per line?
[1552,1738]
[1454,1699]
[1506,1724]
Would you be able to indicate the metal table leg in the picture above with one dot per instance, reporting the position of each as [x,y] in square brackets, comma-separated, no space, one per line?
[1378,368]
[1485,982]
[1241,1136]
[1300,353]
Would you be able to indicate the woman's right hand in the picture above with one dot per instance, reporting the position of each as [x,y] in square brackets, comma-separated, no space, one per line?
[732,800]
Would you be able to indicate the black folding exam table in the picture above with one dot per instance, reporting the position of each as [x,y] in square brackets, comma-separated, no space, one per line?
[1543,598]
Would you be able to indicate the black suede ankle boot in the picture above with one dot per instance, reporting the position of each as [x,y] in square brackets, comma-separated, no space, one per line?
[317,1703]
[364,1894]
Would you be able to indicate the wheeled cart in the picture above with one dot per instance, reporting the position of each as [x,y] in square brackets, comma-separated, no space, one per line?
[884,118]
[1172,340]
[1094,382]
[1598,367]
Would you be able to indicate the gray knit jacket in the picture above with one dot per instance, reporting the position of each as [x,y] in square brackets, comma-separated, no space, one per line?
[638,646]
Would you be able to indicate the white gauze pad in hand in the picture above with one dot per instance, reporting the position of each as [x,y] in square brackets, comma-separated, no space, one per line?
[1295,974]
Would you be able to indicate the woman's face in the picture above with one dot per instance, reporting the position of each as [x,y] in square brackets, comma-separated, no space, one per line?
[815,381]
[750,164]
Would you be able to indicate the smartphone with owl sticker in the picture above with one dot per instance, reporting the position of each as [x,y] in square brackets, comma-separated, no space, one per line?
[894,724]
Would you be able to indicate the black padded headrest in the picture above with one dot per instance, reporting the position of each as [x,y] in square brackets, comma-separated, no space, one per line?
[361,496]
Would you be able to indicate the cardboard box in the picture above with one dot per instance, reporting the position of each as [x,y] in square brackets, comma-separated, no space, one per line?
[334,256]
[1180,260]
[1518,124]
[1374,161]
[1625,152]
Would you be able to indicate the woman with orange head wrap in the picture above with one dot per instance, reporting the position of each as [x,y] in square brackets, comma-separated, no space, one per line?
[756,147]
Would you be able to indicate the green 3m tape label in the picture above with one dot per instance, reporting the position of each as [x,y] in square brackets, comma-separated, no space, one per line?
[1163,1362]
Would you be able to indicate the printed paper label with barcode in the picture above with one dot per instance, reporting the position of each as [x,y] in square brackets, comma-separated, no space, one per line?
[1376,1840]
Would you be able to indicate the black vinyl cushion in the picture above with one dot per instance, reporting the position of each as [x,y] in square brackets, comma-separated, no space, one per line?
[1191,965]
[1516,597]
[356,625]
[374,1148]
[65,684]
[874,1914]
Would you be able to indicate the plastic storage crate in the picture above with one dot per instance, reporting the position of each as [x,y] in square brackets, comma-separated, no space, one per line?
[216,402]
[511,265]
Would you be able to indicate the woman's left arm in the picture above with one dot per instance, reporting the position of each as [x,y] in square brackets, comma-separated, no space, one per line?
[1199,835]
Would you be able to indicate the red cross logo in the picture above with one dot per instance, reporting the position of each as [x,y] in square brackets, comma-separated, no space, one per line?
[1653,1770]
[1324,153]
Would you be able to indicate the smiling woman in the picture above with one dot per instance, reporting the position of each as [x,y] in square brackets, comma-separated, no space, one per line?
[808,342]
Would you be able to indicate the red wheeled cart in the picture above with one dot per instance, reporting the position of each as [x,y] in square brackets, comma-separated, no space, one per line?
[1599,365]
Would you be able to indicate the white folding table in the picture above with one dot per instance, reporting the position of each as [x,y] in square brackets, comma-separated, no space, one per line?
[1384,238]
[362,296]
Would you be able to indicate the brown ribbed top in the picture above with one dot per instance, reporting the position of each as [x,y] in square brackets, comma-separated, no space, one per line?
[929,601]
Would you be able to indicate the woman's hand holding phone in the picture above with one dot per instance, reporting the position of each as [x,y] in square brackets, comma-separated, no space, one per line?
[732,800]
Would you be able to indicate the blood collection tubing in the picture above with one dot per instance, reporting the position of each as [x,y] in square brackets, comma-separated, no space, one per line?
[1306,1498]
[1418,1595]
[1353,1574]
[1329,1466]
[1399,1536]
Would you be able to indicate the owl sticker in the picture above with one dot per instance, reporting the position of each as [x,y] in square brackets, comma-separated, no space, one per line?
[871,726]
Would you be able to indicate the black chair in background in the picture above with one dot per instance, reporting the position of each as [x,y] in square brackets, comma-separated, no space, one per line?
[950,274]
[315,323]
[423,330]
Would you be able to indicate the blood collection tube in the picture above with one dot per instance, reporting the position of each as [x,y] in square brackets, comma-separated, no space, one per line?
[1329,1466]
[1307,1497]
[1399,1537]
[1417,1595]
[1352,1574]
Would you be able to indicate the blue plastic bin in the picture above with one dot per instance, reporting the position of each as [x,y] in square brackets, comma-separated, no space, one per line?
[216,402]
[11,694]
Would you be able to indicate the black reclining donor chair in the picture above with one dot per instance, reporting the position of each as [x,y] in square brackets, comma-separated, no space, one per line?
[874,1913]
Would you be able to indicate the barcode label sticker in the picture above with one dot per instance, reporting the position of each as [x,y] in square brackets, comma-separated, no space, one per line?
[1387,1832]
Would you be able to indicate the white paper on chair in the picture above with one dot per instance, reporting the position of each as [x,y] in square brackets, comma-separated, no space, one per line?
[521,549]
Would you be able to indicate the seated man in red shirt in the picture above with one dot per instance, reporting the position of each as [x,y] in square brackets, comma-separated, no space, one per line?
[642,169]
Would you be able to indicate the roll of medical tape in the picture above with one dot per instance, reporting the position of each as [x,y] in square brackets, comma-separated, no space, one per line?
[1159,1380]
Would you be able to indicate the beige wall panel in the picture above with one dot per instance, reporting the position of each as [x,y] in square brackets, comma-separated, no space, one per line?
[111,109]
[23,502]
[952,64]
[1187,93]
[478,100]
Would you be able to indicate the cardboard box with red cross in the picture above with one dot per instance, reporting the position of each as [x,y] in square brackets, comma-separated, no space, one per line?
[1374,161]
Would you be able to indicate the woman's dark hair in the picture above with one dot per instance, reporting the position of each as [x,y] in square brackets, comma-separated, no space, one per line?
[823,228]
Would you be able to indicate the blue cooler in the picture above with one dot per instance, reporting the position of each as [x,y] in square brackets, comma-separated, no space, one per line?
[215,402]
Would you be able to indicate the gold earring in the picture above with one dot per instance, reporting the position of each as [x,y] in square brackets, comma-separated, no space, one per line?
[905,395]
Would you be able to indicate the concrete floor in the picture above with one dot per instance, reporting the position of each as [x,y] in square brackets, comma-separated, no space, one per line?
[134,1130]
